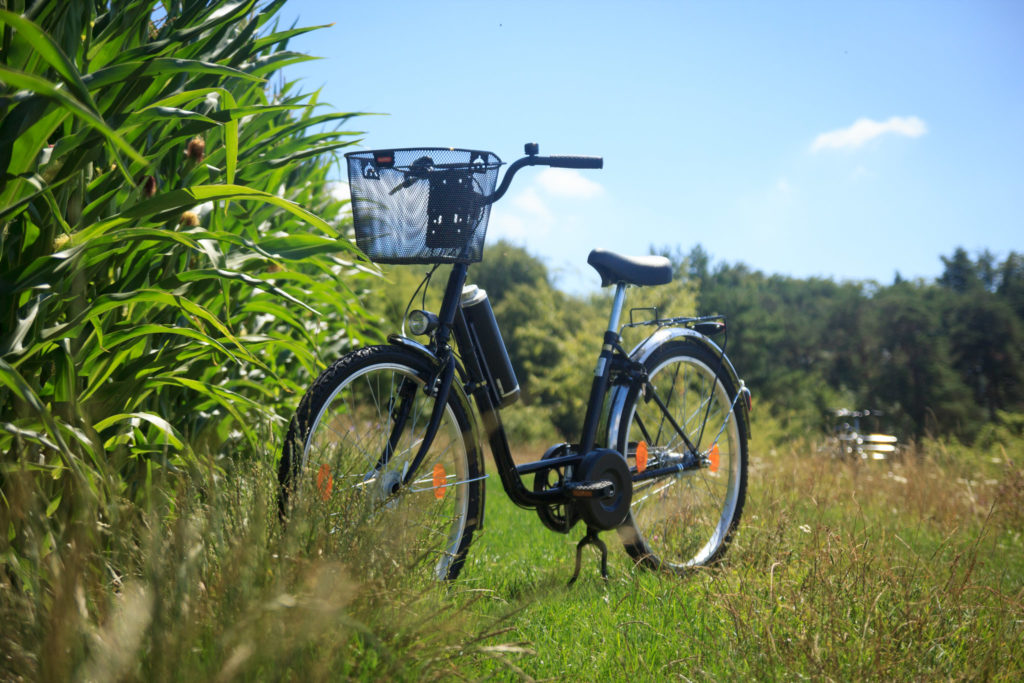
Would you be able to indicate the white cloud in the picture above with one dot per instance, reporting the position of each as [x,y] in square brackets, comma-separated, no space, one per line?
[864,130]
[528,201]
[528,215]
[339,191]
[565,182]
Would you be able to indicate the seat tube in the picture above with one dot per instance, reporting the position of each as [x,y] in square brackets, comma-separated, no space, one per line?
[602,372]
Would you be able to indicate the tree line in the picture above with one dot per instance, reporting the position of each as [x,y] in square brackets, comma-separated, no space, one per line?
[940,358]
[936,358]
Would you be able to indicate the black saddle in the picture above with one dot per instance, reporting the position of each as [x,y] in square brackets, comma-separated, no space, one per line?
[631,270]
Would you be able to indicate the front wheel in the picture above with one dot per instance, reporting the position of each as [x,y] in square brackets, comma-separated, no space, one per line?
[685,519]
[348,455]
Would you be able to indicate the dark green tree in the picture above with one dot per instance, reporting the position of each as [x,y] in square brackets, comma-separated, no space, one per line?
[911,375]
[506,266]
[1011,282]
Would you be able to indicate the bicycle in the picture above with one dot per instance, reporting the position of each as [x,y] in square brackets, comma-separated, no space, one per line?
[388,433]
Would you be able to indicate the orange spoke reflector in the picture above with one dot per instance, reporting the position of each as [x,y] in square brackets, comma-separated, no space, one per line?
[324,481]
[714,458]
[641,456]
[440,479]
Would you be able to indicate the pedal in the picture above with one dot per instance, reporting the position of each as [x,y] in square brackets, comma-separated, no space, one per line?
[590,489]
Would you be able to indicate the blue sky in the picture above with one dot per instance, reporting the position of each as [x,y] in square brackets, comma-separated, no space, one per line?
[845,140]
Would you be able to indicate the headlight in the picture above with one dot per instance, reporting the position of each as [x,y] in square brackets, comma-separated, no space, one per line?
[422,322]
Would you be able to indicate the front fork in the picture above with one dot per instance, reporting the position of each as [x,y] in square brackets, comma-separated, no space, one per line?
[440,384]
[440,390]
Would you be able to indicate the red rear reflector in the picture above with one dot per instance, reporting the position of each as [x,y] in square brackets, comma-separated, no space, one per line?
[641,456]
[440,479]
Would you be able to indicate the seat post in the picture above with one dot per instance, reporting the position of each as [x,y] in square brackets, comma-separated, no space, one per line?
[617,302]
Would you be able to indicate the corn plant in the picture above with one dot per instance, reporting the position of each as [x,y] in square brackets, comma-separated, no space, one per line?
[171,257]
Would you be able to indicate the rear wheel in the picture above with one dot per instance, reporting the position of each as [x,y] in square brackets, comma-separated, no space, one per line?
[684,519]
[350,447]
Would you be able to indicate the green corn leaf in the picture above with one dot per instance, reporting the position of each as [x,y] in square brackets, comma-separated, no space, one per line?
[46,48]
[113,340]
[256,283]
[117,73]
[306,153]
[45,88]
[181,98]
[275,62]
[32,435]
[282,36]
[10,378]
[178,200]
[226,399]
[154,112]
[301,246]
[170,434]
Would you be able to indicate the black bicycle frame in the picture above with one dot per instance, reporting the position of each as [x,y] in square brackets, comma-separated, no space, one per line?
[452,323]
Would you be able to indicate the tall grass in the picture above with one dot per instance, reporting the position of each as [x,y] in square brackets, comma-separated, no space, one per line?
[911,569]
[216,589]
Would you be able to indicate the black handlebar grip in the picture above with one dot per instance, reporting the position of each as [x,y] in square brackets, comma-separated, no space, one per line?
[574,162]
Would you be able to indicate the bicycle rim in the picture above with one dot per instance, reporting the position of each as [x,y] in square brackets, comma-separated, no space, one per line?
[355,479]
[686,519]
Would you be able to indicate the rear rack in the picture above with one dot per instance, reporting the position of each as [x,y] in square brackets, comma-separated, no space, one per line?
[705,324]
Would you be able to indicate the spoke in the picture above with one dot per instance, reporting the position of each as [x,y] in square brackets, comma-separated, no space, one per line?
[671,393]
[667,484]
[695,415]
[706,480]
[445,485]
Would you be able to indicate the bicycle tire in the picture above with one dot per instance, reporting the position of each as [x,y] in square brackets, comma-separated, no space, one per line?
[332,458]
[684,520]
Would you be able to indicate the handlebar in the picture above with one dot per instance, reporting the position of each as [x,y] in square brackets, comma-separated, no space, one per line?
[531,159]
[422,168]
[571,162]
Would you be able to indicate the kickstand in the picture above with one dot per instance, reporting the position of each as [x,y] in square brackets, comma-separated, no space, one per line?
[590,539]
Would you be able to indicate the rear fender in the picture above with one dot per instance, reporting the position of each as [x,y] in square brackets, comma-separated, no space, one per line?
[643,351]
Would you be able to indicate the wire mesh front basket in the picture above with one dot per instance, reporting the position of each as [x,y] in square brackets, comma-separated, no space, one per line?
[425,205]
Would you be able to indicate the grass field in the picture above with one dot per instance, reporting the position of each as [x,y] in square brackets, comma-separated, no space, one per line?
[845,571]
[841,571]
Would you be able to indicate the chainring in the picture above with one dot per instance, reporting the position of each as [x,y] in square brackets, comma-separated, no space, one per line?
[560,517]
[605,465]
